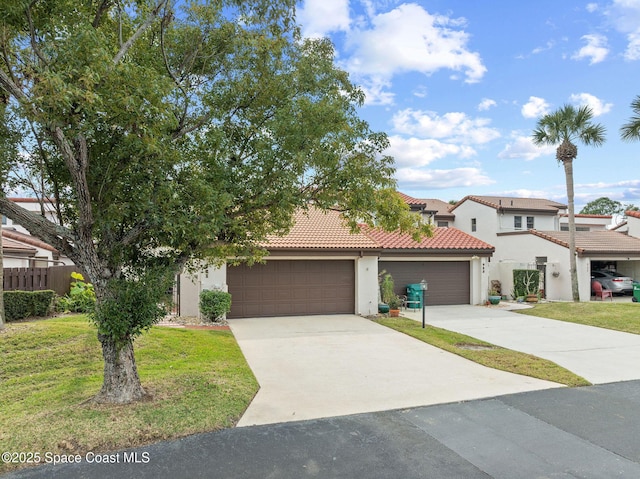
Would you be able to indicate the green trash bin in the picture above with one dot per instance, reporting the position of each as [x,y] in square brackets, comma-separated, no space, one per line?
[414,296]
[636,292]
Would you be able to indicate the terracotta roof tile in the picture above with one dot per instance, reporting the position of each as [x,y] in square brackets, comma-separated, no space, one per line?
[633,214]
[411,201]
[510,203]
[315,229]
[27,239]
[15,246]
[441,208]
[442,239]
[589,242]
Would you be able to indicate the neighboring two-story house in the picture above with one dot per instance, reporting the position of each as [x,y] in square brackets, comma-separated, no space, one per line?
[531,233]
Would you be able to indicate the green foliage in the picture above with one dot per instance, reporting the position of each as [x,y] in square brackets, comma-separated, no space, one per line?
[214,304]
[394,302]
[132,304]
[631,130]
[387,288]
[23,304]
[525,281]
[602,206]
[81,297]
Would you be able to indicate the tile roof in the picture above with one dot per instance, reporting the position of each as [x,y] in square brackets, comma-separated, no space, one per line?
[510,203]
[633,214]
[27,239]
[410,200]
[316,229]
[443,239]
[441,208]
[16,247]
[594,242]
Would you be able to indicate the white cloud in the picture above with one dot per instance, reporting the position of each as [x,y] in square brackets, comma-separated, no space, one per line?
[591,7]
[524,148]
[440,179]
[535,107]
[486,103]
[454,126]
[633,47]
[596,49]
[320,17]
[625,17]
[409,38]
[418,152]
[596,104]
[376,91]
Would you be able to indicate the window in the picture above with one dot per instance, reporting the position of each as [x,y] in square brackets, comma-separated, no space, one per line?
[443,224]
[529,222]
[517,222]
[4,220]
[473,224]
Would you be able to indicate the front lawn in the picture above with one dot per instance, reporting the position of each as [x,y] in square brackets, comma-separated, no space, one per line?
[485,353]
[603,314]
[51,368]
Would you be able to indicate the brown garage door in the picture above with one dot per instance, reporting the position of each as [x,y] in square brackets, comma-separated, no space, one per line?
[448,280]
[289,288]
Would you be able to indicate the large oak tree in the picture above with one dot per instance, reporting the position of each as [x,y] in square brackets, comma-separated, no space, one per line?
[170,132]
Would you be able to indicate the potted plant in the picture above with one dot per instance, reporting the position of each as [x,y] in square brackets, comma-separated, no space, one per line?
[387,292]
[527,284]
[394,305]
[494,297]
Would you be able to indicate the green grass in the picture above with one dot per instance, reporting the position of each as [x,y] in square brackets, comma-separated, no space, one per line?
[619,316]
[486,354]
[198,379]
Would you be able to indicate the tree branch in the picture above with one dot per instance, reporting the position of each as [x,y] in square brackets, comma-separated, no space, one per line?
[141,29]
[57,236]
[102,8]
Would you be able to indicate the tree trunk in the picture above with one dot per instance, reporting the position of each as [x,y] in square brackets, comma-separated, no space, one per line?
[568,172]
[121,381]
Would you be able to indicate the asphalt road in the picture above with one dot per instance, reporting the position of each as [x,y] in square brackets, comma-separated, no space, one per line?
[591,432]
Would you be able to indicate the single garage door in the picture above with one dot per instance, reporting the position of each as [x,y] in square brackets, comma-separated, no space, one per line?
[449,281]
[291,288]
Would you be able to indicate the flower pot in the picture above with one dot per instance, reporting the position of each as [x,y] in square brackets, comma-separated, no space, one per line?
[383,308]
[531,298]
[495,299]
[394,313]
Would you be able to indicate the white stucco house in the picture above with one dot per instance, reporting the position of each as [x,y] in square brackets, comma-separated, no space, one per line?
[321,267]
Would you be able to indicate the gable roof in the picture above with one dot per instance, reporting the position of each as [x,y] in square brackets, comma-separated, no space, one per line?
[441,209]
[594,242]
[316,229]
[443,239]
[505,203]
[411,201]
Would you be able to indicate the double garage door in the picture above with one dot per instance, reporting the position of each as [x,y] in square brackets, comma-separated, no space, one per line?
[291,288]
[449,281]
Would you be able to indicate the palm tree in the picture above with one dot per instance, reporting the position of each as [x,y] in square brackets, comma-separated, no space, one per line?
[631,131]
[564,127]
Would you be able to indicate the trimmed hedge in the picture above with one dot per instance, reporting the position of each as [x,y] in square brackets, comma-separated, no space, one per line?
[22,304]
[214,304]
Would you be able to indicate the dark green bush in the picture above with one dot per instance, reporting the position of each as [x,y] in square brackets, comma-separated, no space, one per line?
[214,304]
[525,281]
[22,304]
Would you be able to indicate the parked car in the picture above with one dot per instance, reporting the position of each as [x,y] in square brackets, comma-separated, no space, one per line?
[616,282]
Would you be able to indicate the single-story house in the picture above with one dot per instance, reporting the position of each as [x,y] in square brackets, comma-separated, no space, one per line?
[322,267]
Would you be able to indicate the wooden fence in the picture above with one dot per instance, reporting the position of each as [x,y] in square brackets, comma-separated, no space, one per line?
[57,278]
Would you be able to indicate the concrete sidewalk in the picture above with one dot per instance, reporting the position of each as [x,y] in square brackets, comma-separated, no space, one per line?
[598,355]
[321,366]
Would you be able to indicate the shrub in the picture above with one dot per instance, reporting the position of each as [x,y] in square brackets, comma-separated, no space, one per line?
[81,297]
[387,288]
[22,304]
[525,281]
[214,304]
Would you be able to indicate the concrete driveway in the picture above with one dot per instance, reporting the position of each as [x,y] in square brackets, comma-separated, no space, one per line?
[322,366]
[598,355]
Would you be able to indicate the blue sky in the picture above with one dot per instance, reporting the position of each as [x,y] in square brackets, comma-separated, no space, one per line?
[458,86]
